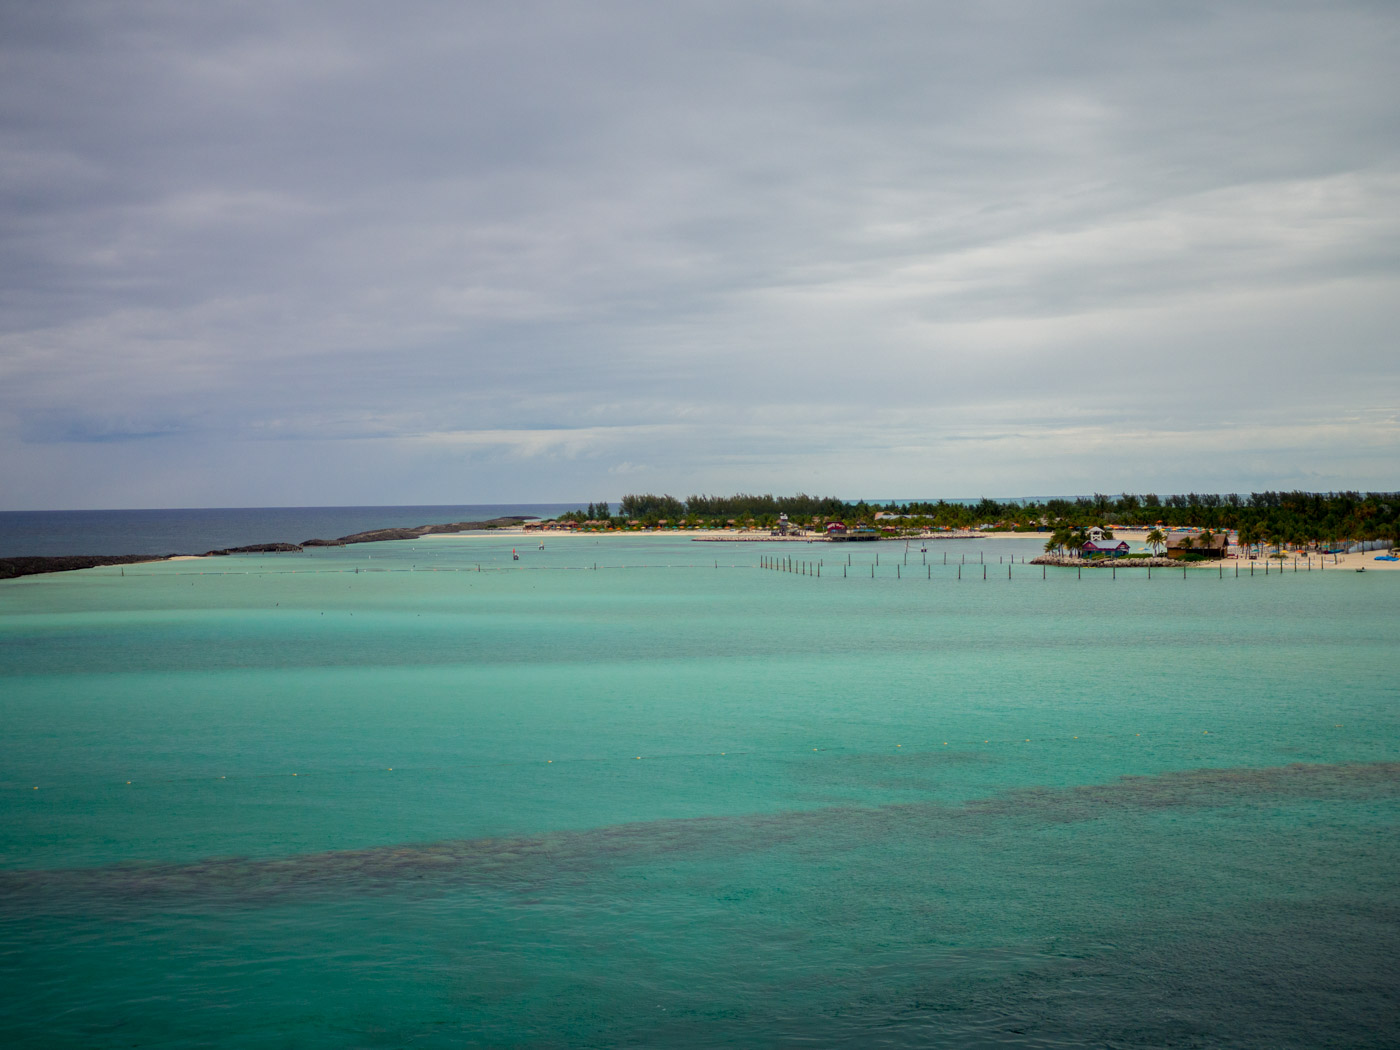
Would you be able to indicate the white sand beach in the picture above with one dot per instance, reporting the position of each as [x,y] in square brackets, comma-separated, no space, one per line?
[1136,537]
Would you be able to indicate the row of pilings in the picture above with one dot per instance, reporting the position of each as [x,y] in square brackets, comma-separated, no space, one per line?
[799,567]
[784,563]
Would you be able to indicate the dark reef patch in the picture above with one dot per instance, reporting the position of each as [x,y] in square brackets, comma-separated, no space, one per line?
[526,862]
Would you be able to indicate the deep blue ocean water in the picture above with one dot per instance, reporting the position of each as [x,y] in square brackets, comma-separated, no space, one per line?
[638,791]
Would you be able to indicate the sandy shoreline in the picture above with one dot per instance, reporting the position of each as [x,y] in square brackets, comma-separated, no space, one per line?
[740,536]
[1333,561]
[1137,537]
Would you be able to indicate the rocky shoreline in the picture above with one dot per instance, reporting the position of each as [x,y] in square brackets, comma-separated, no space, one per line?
[380,535]
[13,568]
[1068,562]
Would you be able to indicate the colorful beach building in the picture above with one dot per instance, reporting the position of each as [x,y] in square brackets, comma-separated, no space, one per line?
[1099,545]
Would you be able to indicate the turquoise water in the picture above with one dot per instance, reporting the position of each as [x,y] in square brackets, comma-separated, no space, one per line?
[375,797]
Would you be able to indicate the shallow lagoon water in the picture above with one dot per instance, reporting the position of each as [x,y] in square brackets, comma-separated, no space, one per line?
[379,798]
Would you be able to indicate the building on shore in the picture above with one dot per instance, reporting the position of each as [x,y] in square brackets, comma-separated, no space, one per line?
[1102,548]
[837,532]
[1215,546]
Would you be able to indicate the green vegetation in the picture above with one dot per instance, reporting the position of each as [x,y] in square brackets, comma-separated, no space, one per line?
[1274,518]
[596,512]
[744,510]
[739,508]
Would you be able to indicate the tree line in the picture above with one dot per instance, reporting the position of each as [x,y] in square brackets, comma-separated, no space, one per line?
[1282,517]
[741,507]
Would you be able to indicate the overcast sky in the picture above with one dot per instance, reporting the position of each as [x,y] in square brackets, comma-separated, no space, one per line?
[359,253]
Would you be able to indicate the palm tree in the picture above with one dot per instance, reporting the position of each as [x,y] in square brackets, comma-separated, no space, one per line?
[1250,535]
[1058,541]
[1157,540]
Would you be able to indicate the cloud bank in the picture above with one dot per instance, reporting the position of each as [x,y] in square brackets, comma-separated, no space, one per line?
[262,254]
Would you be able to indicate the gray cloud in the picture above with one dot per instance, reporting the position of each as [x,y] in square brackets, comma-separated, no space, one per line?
[533,251]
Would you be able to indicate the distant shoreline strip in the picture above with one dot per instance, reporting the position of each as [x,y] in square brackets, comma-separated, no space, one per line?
[13,568]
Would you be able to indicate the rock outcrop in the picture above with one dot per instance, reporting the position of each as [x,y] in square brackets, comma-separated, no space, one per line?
[1104,563]
[380,535]
[256,548]
[12,568]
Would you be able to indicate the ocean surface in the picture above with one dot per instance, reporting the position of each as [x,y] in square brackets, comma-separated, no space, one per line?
[640,792]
